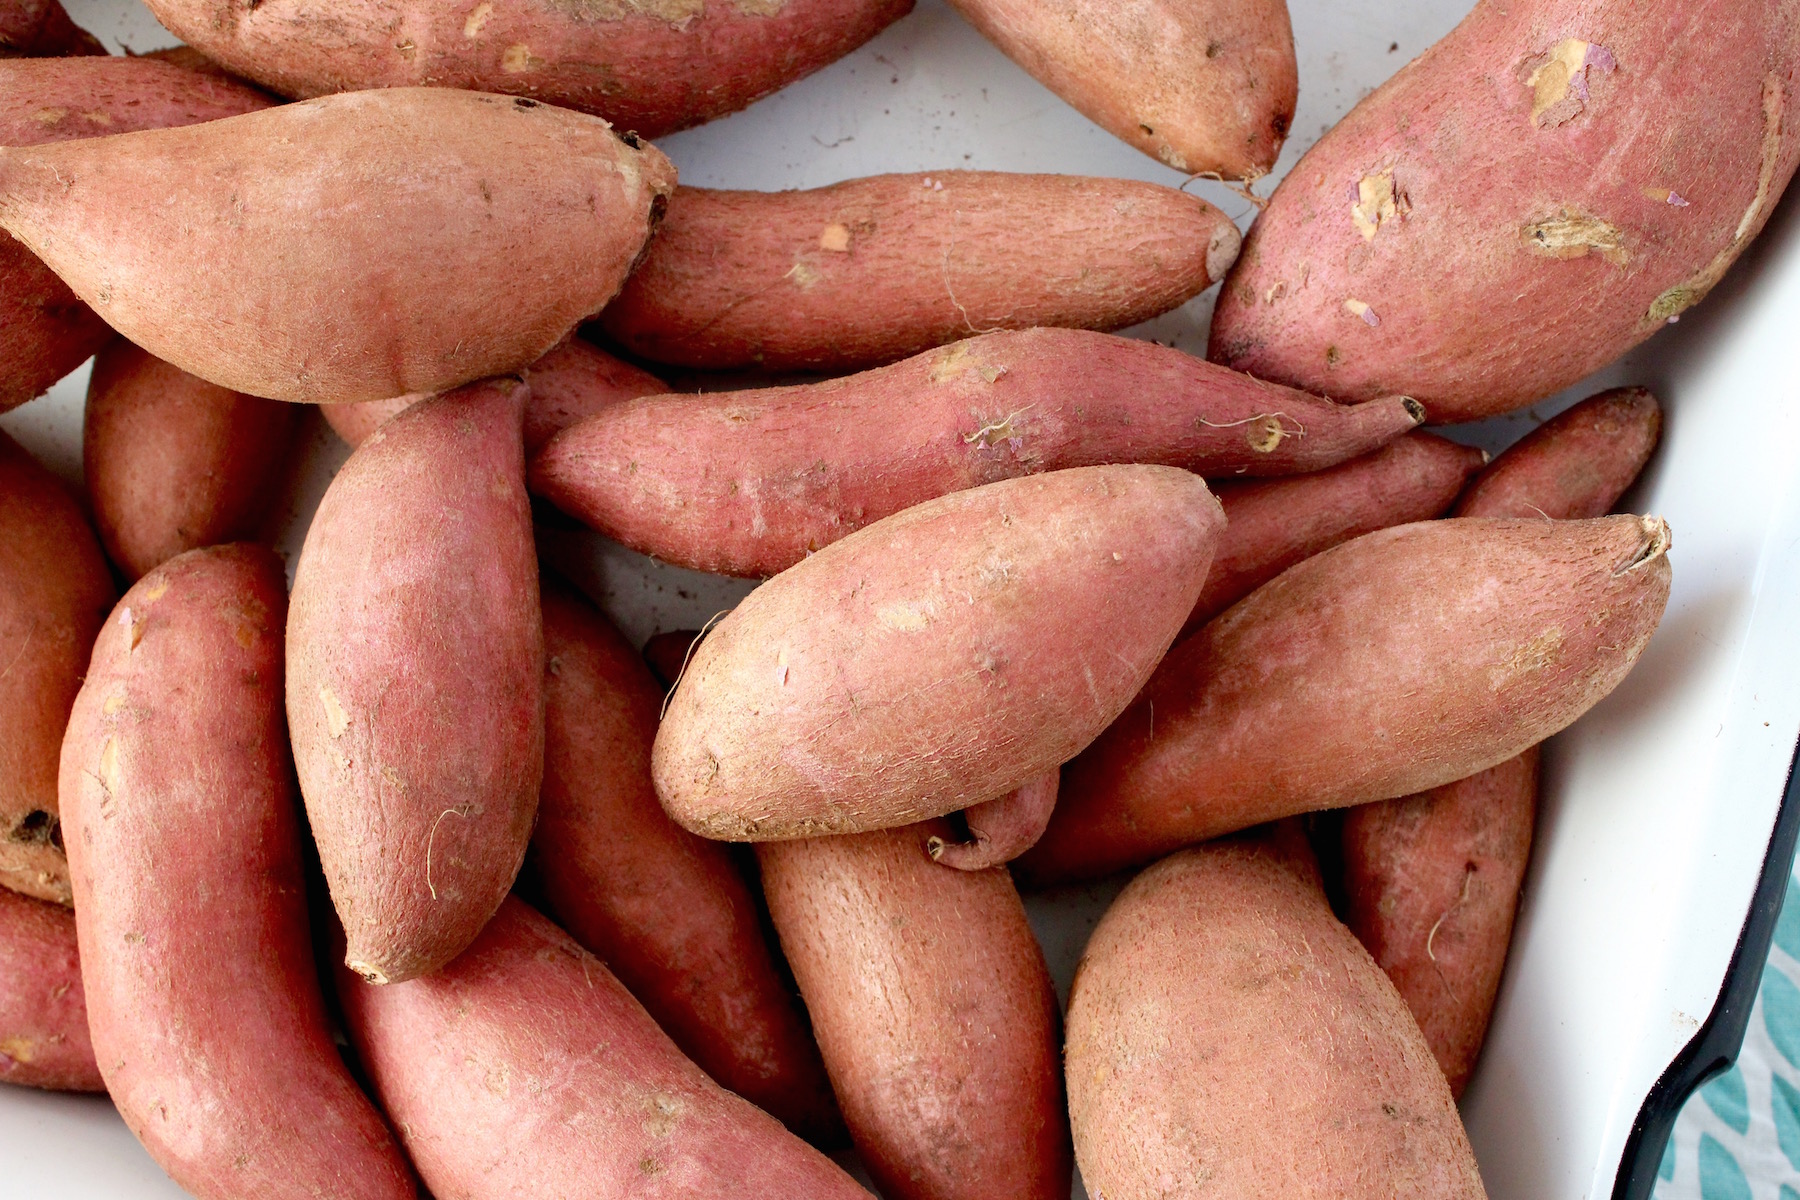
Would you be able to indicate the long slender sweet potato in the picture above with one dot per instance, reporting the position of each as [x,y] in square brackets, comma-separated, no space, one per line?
[43,1010]
[653,66]
[1389,665]
[525,1069]
[869,271]
[668,912]
[1206,86]
[1575,465]
[173,462]
[503,223]
[569,384]
[751,482]
[415,679]
[185,850]
[1227,1037]
[42,29]
[934,1010]
[45,332]
[941,657]
[1272,524]
[1606,158]
[54,593]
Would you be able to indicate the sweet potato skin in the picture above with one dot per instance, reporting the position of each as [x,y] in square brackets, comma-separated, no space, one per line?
[1205,86]
[420,567]
[1270,525]
[751,482]
[177,785]
[668,912]
[1575,465]
[173,462]
[870,271]
[542,208]
[935,1012]
[1255,1053]
[1438,238]
[652,67]
[43,1011]
[937,659]
[48,331]
[55,591]
[42,29]
[525,1069]
[1389,665]
[1000,830]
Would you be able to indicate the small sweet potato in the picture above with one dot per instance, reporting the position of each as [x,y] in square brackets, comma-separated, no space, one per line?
[185,851]
[1206,86]
[1000,830]
[174,462]
[45,331]
[415,661]
[43,1011]
[934,1010]
[1389,665]
[569,384]
[55,591]
[937,659]
[869,271]
[504,223]
[1270,525]
[668,912]
[1227,1037]
[1457,237]
[1575,465]
[42,29]
[751,482]
[653,66]
[525,1069]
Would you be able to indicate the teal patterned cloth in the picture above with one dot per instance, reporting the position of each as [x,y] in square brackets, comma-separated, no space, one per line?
[1738,1138]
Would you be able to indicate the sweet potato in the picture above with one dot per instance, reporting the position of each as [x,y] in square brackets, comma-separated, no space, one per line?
[1457,237]
[653,66]
[934,1010]
[1575,465]
[54,593]
[45,332]
[869,271]
[1272,524]
[1000,830]
[1205,86]
[415,679]
[569,384]
[749,483]
[42,29]
[667,653]
[43,1010]
[185,851]
[668,912]
[525,1069]
[1388,665]
[940,658]
[503,223]
[1227,1037]
[173,462]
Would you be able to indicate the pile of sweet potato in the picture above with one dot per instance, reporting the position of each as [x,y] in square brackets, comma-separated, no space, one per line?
[416,879]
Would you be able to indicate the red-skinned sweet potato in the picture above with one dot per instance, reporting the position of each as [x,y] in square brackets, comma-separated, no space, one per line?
[45,331]
[667,653]
[750,482]
[1575,465]
[938,659]
[653,66]
[1206,86]
[1227,1037]
[55,591]
[43,1011]
[869,271]
[505,222]
[207,1021]
[525,1069]
[1438,239]
[1388,665]
[1000,830]
[42,29]
[415,662]
[934,1010]
[668,912]
[173,462]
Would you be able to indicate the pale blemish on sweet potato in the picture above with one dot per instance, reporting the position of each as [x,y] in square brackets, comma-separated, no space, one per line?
[1362,312]
[1375,201]
[1570,233]
[1559,80]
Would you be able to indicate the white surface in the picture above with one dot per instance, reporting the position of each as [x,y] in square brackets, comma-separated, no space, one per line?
[1657,806]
